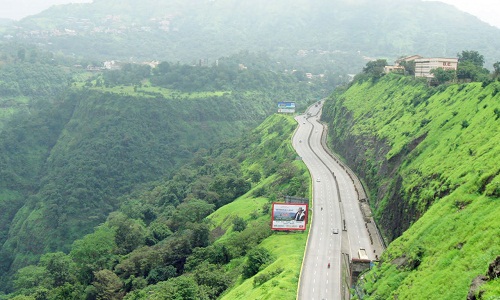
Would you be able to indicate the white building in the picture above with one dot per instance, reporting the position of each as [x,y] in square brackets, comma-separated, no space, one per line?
[423,66]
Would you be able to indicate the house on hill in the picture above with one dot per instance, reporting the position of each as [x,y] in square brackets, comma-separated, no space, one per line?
[397,67]
[423,66]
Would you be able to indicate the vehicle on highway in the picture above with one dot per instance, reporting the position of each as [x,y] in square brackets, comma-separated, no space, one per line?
[362,253]
[335,231]
[318,180]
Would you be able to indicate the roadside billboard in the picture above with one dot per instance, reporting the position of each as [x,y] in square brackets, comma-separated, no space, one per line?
[286,107]
[289,216]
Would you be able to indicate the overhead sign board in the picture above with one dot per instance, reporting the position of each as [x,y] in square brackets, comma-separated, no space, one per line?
[286,107]
[289,216]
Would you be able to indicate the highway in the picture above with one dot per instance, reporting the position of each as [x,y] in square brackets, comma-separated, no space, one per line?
[335,207]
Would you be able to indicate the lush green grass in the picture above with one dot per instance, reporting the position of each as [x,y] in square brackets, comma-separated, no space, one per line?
[452,178]
[289,251]
[287,248]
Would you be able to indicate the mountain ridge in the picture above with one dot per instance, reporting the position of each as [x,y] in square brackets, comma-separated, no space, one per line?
[174,31]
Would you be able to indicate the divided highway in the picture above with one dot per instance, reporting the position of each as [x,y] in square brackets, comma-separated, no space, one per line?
[338,229]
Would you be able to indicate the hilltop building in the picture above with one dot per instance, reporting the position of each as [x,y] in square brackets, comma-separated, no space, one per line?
[397,67]
[423,66]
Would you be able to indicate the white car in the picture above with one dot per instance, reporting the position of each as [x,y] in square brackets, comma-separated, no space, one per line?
[335,231]
[318,180]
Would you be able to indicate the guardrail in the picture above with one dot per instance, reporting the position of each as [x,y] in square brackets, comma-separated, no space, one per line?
[360,191]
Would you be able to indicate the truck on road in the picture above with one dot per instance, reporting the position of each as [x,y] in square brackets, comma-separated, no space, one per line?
[362,253]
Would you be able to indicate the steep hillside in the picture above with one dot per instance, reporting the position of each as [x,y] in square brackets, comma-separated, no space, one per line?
[69,155]
[339,33]
[430,157]
[203,233]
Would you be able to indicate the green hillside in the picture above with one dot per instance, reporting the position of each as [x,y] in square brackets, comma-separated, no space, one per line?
[204,233]
[430,157]
[74,142]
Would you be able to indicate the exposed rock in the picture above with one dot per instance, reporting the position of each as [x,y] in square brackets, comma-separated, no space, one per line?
[474,292]
[494,269]
[493,272]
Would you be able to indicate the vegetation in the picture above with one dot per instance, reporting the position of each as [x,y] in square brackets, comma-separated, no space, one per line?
[471,66]
[71,153]
[429,156]
[98,202]
[313,37]
[175,239]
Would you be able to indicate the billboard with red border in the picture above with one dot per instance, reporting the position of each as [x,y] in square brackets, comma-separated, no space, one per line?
[288,216]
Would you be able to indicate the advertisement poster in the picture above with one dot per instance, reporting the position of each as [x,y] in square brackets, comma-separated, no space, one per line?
[287,216]
[286,107]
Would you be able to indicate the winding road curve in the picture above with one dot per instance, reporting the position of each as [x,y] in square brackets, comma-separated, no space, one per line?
[335,207]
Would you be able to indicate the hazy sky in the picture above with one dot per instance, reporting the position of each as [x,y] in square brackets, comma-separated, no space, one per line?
[486,10]
[18,9]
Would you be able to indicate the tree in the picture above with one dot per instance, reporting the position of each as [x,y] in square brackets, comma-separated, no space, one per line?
[29,278]
[470,66]
[94,252]
[183,287]
[239,224]
[469,71]
[60,267]
[213,254]
[257,258]
[409,67]
[375,68]
[67,291]
[130,234]
[496,70]
[471,56]
[442,76]
[200,234]
[191,211]
[161,273]
[212,279]
[108,285]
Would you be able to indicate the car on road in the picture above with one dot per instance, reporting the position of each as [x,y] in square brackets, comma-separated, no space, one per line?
[335,231]
[318,179]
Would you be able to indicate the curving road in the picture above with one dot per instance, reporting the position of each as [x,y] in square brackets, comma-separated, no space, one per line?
[335,207]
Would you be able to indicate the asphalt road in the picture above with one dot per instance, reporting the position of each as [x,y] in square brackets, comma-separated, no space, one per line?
[335,207]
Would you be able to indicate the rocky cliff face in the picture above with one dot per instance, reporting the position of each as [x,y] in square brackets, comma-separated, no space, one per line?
[366,155]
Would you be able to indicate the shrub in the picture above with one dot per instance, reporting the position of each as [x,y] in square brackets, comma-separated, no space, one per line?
[257,259]
[239,224]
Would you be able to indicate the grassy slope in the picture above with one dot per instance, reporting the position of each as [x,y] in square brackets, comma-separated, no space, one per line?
[288,249]
[454,171]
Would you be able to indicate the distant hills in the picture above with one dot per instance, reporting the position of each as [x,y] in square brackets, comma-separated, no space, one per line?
[341,33]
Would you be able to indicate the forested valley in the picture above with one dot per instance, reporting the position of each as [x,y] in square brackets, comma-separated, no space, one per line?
[105,150]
